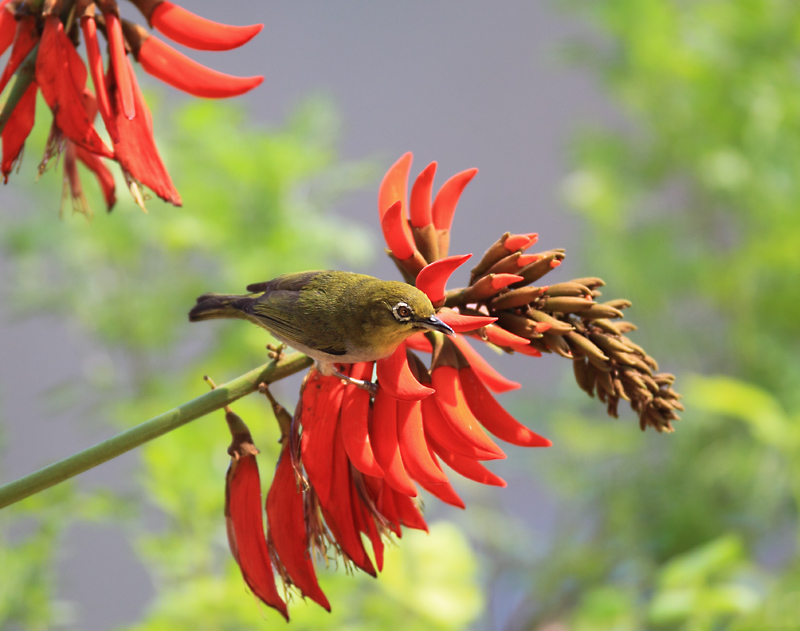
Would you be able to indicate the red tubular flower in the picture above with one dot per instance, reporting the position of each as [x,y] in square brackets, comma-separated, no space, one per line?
[61,75]
[19,126]
[246,531]
[193,31]
[122,71]
[8,26]
[26,36]
[288,537]
[170,66]
[136,151]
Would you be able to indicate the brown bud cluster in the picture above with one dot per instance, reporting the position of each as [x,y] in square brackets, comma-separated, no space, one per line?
[566,319]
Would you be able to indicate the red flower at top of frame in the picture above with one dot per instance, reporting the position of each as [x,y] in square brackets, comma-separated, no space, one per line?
[44,57]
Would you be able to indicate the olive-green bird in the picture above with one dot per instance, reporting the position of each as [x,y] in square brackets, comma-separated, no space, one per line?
[333,317]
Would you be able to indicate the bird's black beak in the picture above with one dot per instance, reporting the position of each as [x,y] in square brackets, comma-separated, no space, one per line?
[435,324]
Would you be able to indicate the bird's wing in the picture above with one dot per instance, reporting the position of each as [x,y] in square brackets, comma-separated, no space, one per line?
[277,309]
[287,282]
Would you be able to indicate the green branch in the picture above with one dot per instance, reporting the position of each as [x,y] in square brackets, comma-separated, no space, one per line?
[147,431]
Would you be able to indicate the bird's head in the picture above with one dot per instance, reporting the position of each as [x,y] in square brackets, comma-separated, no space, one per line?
[398,310]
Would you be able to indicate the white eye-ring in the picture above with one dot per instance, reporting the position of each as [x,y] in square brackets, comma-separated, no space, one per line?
[402,312]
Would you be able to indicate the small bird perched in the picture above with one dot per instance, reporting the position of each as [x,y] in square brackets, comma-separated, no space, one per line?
[333,317]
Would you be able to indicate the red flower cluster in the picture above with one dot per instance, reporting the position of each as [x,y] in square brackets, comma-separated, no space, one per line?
[352,464]
[43,37]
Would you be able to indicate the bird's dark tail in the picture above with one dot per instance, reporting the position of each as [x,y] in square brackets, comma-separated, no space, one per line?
[212,306]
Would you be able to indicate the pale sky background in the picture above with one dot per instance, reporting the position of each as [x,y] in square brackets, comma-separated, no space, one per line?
[468,83]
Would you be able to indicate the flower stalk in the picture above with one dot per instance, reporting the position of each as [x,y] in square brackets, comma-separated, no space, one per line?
[158,426]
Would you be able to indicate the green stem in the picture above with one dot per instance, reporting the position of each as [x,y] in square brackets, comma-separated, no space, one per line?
[147,431]
[16,88]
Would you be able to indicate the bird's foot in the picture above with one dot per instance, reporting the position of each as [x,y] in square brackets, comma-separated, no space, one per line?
[369,386]
[275,352]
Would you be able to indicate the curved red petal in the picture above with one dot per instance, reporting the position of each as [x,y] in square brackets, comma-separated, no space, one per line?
[467,467]
[246,532]
[394,186]
[519,242]
[386,506]
[383,432]
[104,176]
[319,424]
[25,35]
[419,342]
[493,379]
[501,337]
[500,281]
[136,151]
[396,378]
[196,32]
[355,423]
[89,28]
[444,206]
[433,277]
[462,323]
[408,513]
[413,447]
[340,511]
[493,416]
[530,351]
[453,406]
[287,531]
[420,201]
[451,436]
[397,233]
[18,127]
[170,66]
[446,493]
[364,516]
[122,71]
[8,27]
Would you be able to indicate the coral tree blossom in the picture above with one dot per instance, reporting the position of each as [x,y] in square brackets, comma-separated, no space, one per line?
[352,464]
[43,37]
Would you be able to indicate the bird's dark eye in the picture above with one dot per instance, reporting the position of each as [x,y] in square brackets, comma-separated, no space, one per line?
[402,312]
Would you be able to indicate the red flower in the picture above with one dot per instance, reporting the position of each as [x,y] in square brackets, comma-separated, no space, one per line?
[44,57]
[352,464]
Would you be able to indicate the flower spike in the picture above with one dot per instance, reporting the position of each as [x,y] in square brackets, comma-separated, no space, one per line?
[193,31]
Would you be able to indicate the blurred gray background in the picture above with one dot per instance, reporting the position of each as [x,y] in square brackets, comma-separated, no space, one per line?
[465,83]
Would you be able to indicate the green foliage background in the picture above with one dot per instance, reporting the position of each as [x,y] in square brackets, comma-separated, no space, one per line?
[692,212]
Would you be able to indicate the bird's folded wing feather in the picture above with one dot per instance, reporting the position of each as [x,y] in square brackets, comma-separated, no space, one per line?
[277,308]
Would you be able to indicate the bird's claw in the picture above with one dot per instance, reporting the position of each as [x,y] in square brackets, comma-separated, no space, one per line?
[276,352]
[369,386]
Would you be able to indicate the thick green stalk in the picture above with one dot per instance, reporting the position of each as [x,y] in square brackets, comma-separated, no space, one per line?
[155,427]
